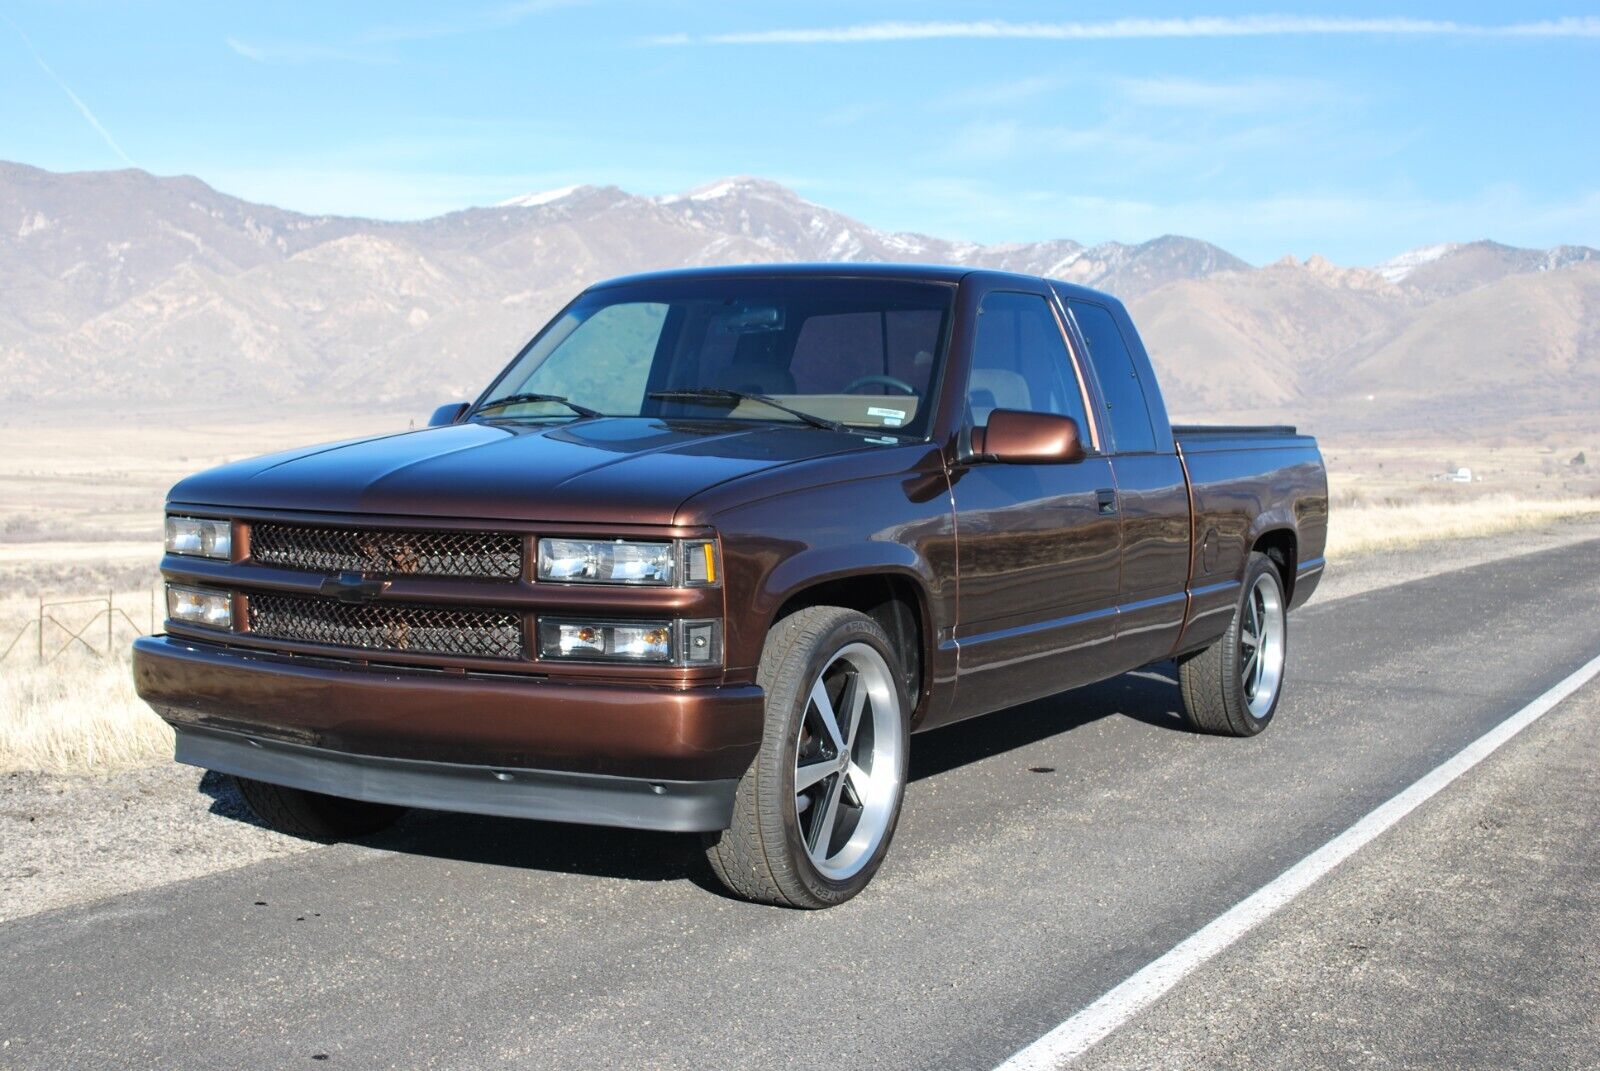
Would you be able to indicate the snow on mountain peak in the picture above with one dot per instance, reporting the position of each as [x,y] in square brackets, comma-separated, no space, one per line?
[1398,267]
[542,197]
[714,191]
[727,187]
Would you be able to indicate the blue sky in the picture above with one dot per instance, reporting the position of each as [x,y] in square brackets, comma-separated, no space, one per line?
[1355,131]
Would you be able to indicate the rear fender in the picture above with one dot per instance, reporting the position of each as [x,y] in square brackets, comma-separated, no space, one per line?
[1274,521]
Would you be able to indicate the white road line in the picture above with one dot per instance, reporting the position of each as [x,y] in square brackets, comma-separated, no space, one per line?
[1076,1035]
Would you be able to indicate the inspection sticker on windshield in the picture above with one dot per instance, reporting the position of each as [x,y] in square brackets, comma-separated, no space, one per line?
[892,418]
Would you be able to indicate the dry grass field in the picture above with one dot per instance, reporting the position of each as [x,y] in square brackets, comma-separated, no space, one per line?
[77,715]
[1370,529]
[75,712]
[1385,497]
[80,515]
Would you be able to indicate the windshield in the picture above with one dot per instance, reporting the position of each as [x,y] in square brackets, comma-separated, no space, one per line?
[859,352]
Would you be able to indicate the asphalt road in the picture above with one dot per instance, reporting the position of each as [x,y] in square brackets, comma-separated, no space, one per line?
[1046,854]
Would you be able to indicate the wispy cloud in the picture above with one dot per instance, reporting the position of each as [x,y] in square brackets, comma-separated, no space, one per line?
[1167,93]
[455,23]
[294,53]
[467,21]
[851,114]
[1246,95]
[1014,91]
[77,101]
[1135,28]
[994,142]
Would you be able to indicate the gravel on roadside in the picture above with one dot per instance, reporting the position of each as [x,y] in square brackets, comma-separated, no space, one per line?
[73,839]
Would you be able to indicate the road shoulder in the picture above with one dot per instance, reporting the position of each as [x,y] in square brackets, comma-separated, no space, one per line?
[1466,937]
[72,840]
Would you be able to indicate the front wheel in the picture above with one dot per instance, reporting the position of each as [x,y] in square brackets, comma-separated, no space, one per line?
[1232,687]
[814,814]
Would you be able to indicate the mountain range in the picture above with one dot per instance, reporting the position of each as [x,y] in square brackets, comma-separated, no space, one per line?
[125,288]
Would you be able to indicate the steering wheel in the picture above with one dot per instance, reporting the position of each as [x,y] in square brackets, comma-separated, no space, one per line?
[878,381]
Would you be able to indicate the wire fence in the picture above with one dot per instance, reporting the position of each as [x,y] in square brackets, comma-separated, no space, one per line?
[96,624]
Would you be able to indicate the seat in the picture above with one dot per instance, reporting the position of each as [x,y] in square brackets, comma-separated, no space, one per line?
[989,389]
[760,365]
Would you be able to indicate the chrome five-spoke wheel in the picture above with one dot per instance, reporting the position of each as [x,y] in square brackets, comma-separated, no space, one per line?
[1261,642]
[815,812]
[847,761]
[1234,684]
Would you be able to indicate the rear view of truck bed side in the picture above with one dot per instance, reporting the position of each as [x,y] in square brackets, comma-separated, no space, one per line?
[1249,486]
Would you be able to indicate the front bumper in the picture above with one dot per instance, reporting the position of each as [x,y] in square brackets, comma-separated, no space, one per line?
[642,756]
[592,799]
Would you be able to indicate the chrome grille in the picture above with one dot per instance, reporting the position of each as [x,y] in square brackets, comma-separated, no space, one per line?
[387,627]
[389,551]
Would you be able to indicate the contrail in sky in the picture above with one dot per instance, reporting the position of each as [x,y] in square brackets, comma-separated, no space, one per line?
[77,101]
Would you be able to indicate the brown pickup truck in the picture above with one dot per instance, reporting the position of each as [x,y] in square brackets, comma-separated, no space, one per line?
[708,553]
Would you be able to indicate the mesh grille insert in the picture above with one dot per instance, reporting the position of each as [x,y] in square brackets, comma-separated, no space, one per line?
[389,551]
[388,627]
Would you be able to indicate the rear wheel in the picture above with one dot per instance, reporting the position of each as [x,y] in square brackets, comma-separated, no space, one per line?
[1233,686]
[311,814]
[815,812]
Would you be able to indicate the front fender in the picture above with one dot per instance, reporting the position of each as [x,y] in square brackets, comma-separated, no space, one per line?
[888,526]
[819,565]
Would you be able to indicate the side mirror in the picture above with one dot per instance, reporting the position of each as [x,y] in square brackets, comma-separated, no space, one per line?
[447,414]
[1020,438]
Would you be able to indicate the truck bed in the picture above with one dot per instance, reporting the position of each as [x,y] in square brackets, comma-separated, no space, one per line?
[1241,436]
[1245,480]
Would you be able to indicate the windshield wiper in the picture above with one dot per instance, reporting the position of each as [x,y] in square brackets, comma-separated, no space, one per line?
[722,394]
[518,399]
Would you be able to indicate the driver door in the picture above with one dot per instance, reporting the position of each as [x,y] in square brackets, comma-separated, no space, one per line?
[1037,544]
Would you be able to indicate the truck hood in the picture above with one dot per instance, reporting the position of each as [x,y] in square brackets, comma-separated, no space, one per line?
[607,470]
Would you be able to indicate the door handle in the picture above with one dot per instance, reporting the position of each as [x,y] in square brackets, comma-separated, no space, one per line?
[1107,502]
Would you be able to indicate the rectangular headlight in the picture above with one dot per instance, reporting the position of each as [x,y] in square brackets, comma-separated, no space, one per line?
[682,643]
[686,562]
[598,561]
[200,606]
[200,537]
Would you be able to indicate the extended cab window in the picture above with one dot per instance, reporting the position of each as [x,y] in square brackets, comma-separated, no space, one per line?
[1020,361]
[1119,379]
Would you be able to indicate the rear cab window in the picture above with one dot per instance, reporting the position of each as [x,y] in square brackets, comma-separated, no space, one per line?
[1127,410]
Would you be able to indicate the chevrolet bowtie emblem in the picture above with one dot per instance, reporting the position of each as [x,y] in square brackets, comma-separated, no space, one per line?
[353,587]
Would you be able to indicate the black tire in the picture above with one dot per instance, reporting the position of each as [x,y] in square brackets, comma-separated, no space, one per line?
[762,856]
[313,815]
[1216,697]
